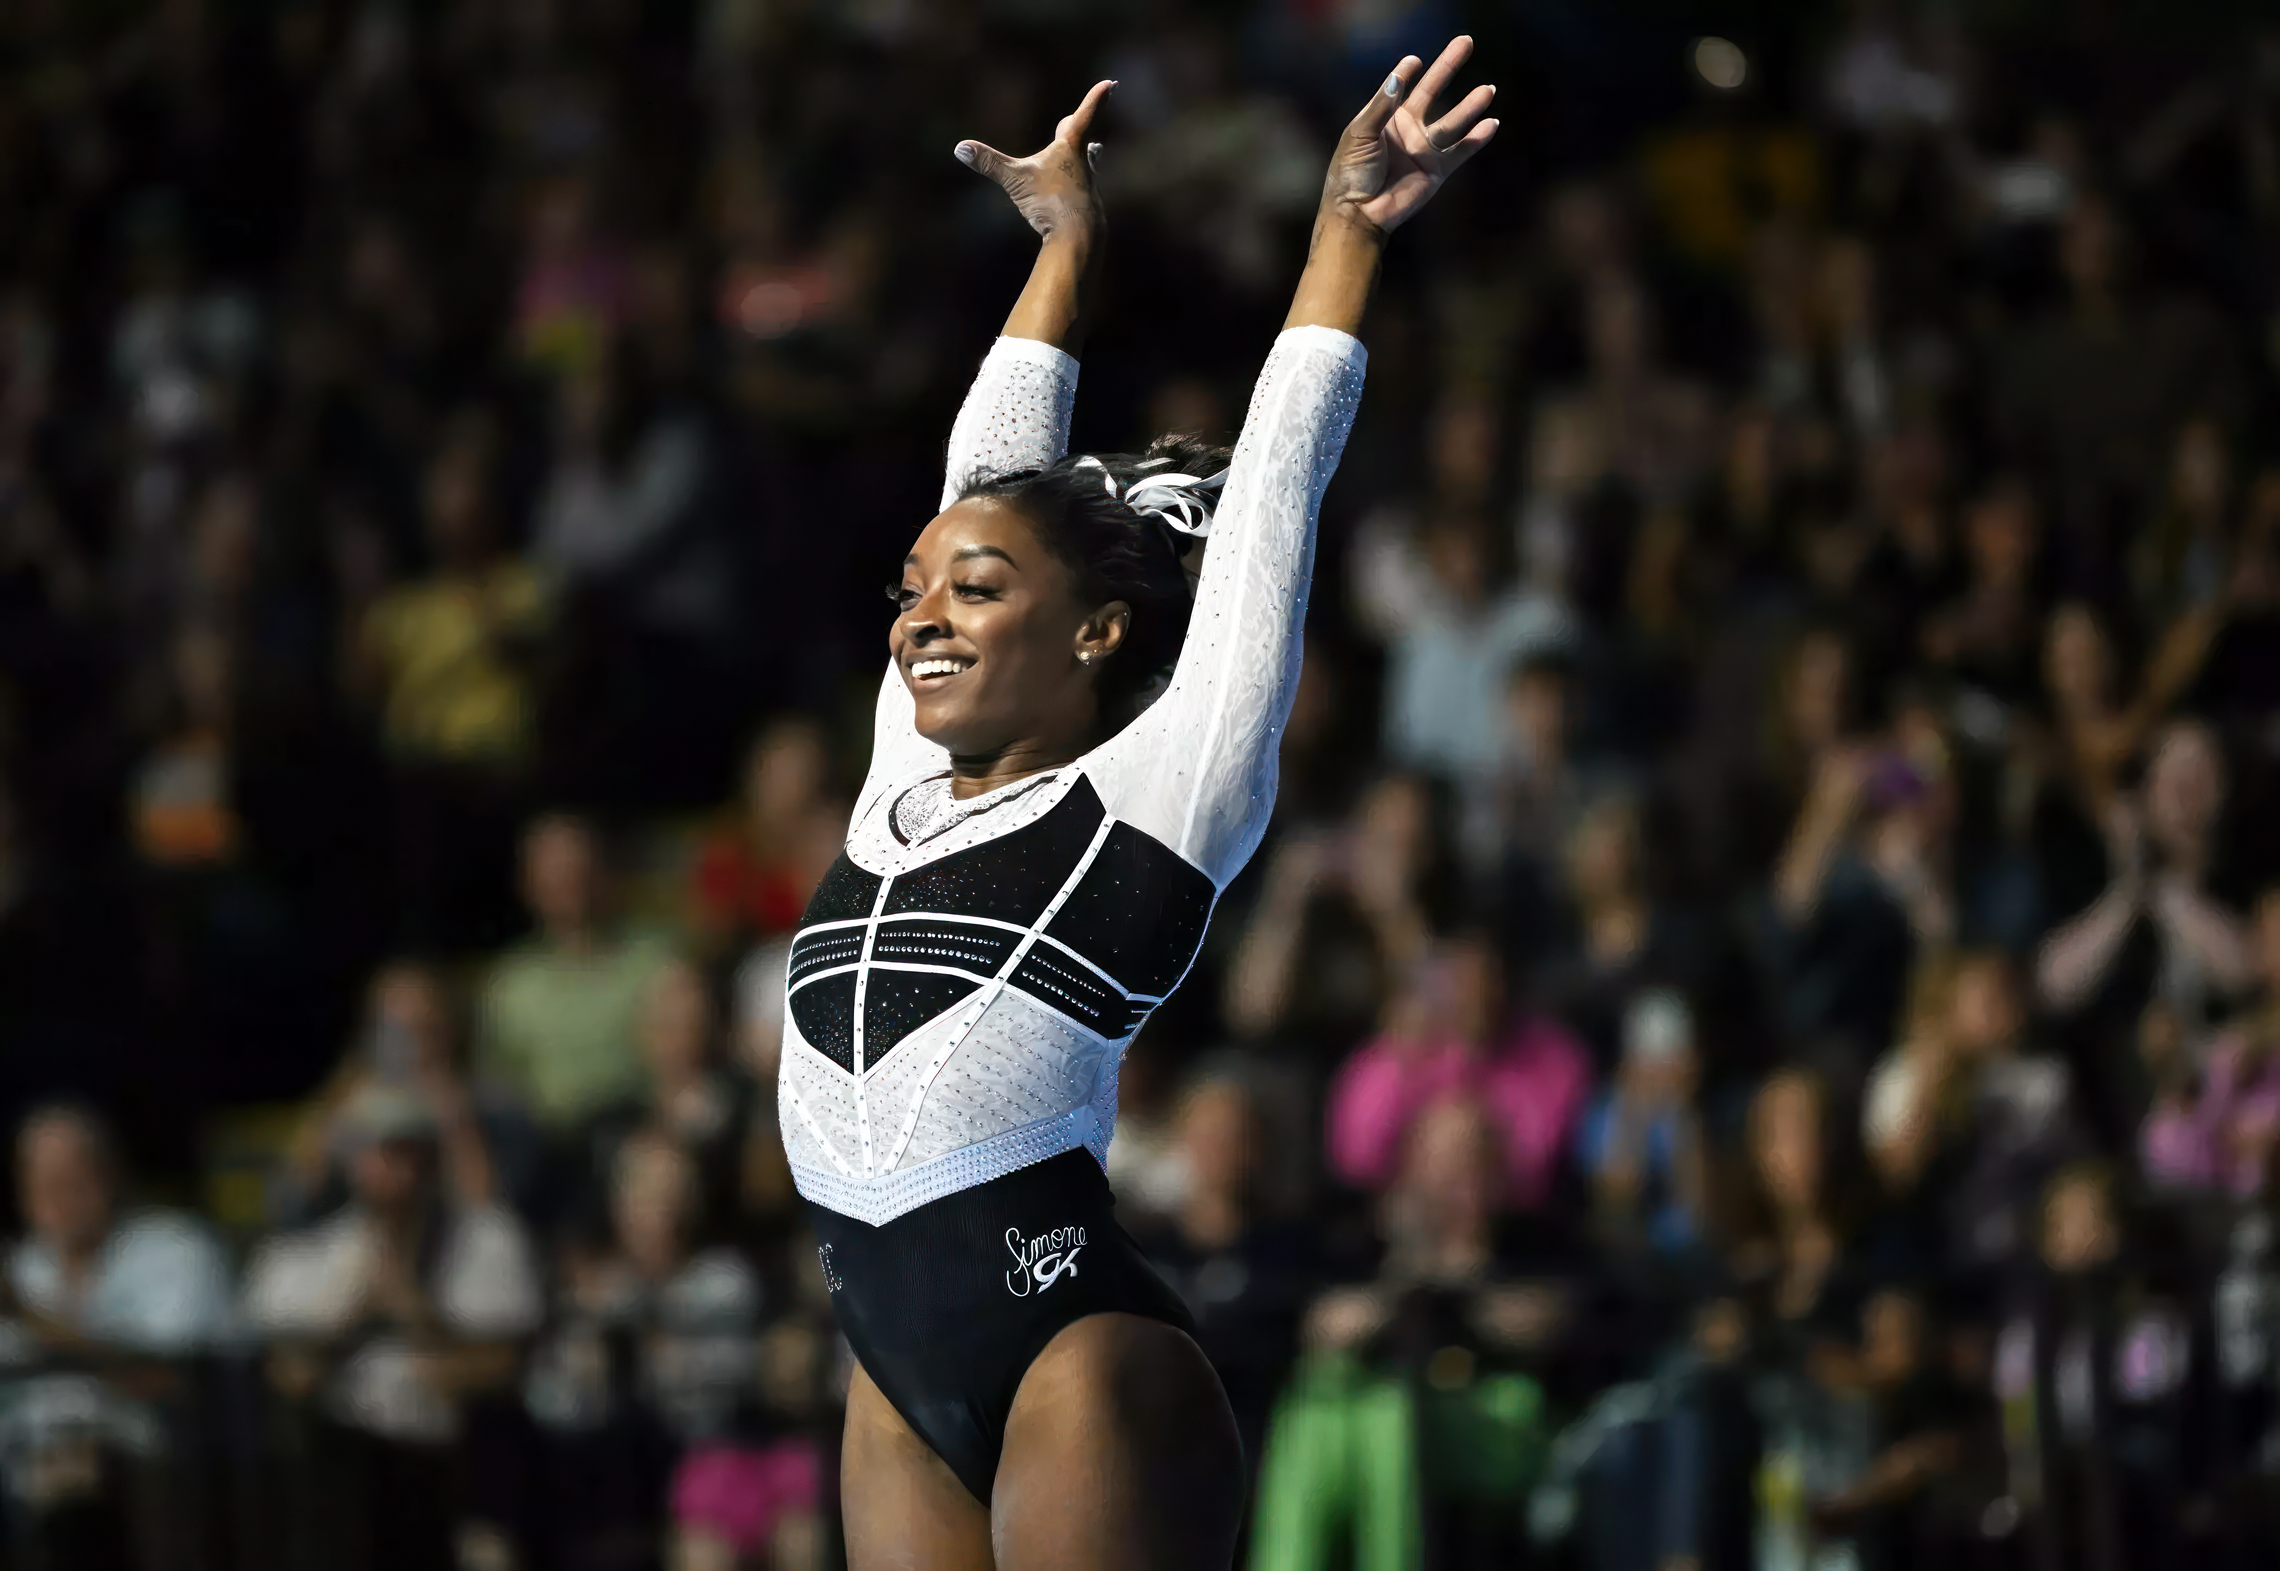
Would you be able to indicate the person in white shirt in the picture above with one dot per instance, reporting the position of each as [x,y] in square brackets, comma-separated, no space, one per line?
[392,1316]
[91,1276]
[99,1304]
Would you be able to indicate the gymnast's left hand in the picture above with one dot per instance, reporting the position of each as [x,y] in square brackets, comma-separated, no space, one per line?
[1393,157]
[1053,188]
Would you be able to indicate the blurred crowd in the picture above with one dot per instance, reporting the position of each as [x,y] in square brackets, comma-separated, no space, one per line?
[1753,1039]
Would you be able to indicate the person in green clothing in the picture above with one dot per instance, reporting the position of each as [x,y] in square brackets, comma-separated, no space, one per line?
[561,1010]
[1409,1435]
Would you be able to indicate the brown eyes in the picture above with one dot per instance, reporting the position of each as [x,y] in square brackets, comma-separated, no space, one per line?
[904,596]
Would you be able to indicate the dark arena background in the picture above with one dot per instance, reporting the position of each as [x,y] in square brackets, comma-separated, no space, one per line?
[1753,1040]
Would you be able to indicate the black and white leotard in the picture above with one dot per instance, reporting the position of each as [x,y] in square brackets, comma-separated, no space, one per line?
[964,983]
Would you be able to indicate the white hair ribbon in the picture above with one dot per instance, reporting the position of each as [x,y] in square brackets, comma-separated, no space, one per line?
[1183,502]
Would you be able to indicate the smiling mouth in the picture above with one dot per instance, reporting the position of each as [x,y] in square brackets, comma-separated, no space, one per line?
[937,669]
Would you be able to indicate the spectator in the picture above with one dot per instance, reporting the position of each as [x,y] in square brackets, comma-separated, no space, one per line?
[1968,1112]
[412,1041]
[1790,1218]
[1985,637]
[692,1098]
[1608,935]
[102,1308]
[2095,1371]
[388,1325]
[1428,589]
[560,1013]
[447,660]
[2158,929]
[652,1370]
[1858,889]
[2219,1134]
[1347,1462]
[752,880]
[92,1275]
[1643,1144]
[1448,1035]
[1244,1273]
[1340,916]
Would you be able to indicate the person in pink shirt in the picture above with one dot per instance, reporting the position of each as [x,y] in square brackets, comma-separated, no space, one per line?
[1448,1037]
[2221,1135]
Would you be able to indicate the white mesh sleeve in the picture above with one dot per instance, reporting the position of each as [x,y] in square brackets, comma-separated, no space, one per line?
[1197,770]
[1016,416]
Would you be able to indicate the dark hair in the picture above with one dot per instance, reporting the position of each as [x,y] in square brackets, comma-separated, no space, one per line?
[1115,551]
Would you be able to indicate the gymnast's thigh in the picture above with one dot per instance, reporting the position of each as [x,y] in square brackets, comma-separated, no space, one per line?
[904,1509]
[1120,1455]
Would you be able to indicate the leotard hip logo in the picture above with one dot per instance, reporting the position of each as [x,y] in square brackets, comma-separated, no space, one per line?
[1041,1261]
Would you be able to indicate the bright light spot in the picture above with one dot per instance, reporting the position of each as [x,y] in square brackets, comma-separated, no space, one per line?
[1721,64]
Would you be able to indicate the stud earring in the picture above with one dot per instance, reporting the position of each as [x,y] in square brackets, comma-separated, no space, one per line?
[1089,656]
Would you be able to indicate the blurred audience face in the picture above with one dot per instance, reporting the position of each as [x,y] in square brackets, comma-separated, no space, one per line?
[64,1177]
[458,505]
[1785,1140]
[1456,551]
[2264,941]
[1219,1138]
[1392,833]
[2079,1231]
[1462,445]
[1586,227]
[1603,853]
[411,1022]
[390,1175]
[1819,691]
[1455,1171]
[653,1202]
[677,1022]
[2090,249]
[1660,1062]
[1999,534]
[2078,662]
[1848,286]
[562,875]
[1892,1337]
[2200,470]
[1618,335]
[1463,986]
[1985,1015]
[1536,702]
[2184,789]
[785,773]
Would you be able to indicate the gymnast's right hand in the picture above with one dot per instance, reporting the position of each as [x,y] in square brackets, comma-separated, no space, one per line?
[1053,189]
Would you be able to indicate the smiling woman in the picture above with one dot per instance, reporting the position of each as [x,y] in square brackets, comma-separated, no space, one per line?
[1072,759]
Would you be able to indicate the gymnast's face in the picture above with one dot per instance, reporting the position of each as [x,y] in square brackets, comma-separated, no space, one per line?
[992,638]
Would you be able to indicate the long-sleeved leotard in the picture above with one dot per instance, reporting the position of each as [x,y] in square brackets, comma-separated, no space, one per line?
[959,1002]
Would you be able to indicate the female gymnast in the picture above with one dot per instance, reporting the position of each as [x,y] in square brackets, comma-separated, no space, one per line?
[1075,752]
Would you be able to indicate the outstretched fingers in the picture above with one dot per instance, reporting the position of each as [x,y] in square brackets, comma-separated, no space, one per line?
[1477,138]
[984,160]
[1387,98]
[1075,127]
[1451,129]
[1436,78]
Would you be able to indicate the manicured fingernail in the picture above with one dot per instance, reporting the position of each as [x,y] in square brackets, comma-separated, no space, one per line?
[965,153]
[1393,85]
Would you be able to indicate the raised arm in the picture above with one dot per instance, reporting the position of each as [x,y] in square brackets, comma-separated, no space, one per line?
[1198,770]
[1016,415]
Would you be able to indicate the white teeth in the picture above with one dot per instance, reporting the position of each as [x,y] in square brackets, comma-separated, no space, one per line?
[938,667]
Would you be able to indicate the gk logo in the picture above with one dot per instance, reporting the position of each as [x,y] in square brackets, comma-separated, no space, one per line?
[1041,1261]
